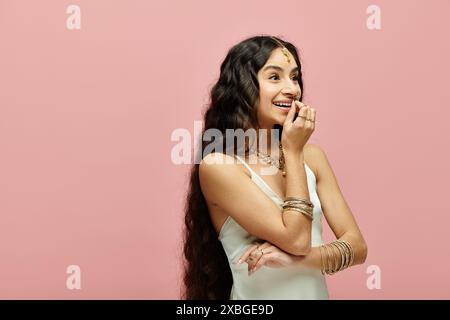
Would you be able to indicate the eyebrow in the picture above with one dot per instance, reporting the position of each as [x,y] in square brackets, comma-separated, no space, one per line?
[278,68]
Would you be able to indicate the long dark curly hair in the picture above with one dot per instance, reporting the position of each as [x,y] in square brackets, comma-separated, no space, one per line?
[207,274]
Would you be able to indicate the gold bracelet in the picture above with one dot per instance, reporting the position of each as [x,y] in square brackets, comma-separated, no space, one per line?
[328,269]
[350,249]
[325,260]
[349,252]
[338,257]
[322,267]
[346,253]
[331,264]
[302,207]
[297,199]
[305,213]
[335,258]
[342,255]
[291,203]
[302,201]
[298,204]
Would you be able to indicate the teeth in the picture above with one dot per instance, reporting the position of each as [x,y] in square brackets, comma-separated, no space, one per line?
[285,105]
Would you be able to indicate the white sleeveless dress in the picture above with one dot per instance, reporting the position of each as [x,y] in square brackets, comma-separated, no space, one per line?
[290,283]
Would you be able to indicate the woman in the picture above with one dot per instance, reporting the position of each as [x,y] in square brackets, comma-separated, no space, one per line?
[250,235]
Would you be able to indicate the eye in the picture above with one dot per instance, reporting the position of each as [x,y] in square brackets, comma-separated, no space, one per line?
[295,78]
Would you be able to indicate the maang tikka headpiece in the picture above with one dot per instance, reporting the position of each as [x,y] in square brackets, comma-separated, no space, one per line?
[283,49]
[286,53]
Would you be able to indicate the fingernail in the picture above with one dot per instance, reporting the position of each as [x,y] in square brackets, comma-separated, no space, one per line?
[240,261]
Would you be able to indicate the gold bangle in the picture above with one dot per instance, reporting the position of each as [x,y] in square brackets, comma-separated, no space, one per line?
[342,251]
[339,257]
[322,267]
[307,203]
[303,208]
[305,213]
[335,258]
[338,249]
[298,205]
[350,251]
[325,261]
[328,269]
[297,199]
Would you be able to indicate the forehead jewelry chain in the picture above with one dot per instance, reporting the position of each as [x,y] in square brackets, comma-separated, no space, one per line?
[283,49]
[286,53]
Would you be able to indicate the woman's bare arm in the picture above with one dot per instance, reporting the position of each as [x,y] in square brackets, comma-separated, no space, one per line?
[230,188]
[336,211]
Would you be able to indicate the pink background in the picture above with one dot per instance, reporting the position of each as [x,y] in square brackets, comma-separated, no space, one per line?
[86,116]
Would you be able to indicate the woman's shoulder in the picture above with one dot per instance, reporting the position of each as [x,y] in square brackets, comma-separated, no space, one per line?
[222,162]
[313,156]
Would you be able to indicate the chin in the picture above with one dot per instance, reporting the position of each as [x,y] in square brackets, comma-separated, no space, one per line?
[278,121]
[280,118]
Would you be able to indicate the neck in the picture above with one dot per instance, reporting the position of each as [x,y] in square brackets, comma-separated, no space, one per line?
[268,143]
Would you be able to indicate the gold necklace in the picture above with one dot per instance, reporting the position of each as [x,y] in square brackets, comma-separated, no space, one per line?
[276,163]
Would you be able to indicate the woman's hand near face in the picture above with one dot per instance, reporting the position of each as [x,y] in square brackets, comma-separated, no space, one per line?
[296,133]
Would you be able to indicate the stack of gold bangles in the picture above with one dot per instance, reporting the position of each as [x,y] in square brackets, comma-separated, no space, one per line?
[303,206]
[336,260]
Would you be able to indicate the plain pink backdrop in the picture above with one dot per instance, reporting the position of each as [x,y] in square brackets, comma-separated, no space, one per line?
[86,117]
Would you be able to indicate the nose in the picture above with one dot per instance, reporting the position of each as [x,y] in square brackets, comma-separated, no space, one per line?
[291,91]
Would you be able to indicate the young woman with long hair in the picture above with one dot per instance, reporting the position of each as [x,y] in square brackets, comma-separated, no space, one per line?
[250,235]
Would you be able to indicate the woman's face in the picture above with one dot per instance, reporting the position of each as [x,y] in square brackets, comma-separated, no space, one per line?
[278,86]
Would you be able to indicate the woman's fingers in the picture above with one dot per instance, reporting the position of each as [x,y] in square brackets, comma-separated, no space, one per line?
[302,113]
[265,251]
[258,252]
[264,245]
[313,114]
[258,255]
[247,253]
[308,123]
[308,118]
[254,246]
[291,112]
[313,117]
[262,261]
[253,258]
[254,254]
[296,134]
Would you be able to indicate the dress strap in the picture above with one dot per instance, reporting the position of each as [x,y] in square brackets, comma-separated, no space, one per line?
[245,164]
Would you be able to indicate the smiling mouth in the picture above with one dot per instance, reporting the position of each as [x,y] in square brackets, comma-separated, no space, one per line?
[282,104]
